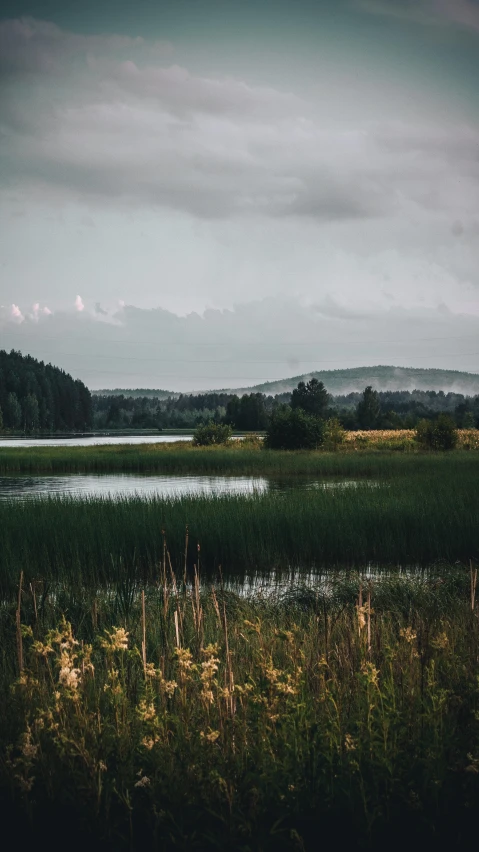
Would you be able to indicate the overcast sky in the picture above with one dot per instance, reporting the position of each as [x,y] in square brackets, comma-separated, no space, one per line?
[210,193]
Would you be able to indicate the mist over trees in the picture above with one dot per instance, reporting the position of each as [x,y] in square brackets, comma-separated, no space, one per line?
[252,412]
[37,397]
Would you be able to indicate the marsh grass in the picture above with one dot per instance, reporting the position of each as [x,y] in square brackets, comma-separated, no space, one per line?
[423,509]
[201,719]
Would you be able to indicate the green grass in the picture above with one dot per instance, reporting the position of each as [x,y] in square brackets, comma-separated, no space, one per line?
[258,723]
[182,457]
[425,509]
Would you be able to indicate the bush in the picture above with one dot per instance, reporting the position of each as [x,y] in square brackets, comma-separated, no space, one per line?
[212,433]
[293,429]
[334,434]
[440,434]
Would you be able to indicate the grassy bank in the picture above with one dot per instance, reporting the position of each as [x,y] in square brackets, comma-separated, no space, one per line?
[420,510]
[247,456]
[201,720]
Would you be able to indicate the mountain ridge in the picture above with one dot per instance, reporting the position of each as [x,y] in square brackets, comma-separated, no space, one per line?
[339,382]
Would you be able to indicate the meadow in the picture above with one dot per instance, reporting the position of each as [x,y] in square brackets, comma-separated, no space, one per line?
[200,719]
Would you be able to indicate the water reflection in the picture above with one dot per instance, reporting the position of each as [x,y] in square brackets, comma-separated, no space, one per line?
[92,440]
[119,485]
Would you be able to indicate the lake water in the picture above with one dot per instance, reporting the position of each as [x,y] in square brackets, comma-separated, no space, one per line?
[93,440]
[117,485]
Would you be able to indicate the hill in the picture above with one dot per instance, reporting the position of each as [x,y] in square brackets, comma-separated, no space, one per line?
[39,397]
[380,377]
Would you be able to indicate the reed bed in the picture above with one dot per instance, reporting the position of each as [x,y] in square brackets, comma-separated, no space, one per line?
[248,455]
[199,719]
[427,512]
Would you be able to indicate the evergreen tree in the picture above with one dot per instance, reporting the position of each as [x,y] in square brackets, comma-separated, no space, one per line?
[369,409]
[312,398]
[34,395]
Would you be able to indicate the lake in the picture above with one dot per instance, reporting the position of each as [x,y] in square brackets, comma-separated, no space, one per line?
[93,440]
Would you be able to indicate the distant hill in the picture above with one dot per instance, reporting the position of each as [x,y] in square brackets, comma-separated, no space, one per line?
[136,393]
[380,377]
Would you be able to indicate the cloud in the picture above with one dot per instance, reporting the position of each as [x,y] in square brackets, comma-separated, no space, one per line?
[79,306]
[149,135]
[99,309]
[254,342]
[37,312]
[31,45]
[464,13]
[16,314]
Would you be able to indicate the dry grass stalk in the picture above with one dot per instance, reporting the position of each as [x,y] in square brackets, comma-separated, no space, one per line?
[34,598]
[473,585]
[186,555]
[19,625]
[369,620]
[197,609]
[143,630]
[177,631]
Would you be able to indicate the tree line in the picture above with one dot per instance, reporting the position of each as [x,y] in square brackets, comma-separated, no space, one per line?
[252,412]
[37,397]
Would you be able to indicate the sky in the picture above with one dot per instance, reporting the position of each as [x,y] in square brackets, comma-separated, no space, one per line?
[208,193]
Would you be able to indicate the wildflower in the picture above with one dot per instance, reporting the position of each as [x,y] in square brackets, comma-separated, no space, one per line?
[371,673]
[211,650]
[440,642]
[185,659]
[146,711]
[29,751]
[408,634]
[349,743]
[210,737]
[69,677]
[169,687]
[42,649]
[143,782]
[117,640]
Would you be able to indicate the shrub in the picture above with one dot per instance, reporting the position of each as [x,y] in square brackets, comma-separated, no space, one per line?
[293,429]
[211,433]
[334,434]
[440,434]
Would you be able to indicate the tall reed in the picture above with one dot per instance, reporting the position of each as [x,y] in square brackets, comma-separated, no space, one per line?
[203,720]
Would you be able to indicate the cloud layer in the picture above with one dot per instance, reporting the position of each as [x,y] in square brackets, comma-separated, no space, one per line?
[254,342]
[160,136]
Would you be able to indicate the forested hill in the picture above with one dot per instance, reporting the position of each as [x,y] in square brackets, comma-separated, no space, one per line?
[381,378]
[39,397]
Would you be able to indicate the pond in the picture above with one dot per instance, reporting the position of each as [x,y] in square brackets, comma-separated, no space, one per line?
[150,485]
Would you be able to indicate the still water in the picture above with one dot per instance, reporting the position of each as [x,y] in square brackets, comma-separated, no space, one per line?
[92,440]
[123,485]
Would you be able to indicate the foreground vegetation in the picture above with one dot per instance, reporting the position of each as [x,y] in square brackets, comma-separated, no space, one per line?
[199,719]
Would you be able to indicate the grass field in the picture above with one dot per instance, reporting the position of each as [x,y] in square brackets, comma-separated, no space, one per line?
[198,719]
[146,712]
